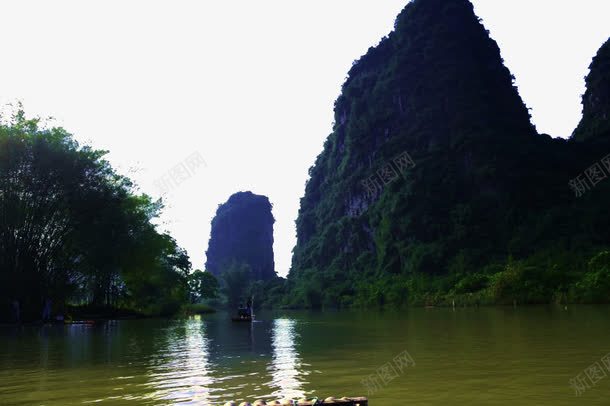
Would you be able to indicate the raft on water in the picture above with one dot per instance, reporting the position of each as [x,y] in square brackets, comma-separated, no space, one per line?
[344,401]
[242,319]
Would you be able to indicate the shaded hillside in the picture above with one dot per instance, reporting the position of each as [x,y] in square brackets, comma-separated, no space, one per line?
[242,233]
[434,178]
[596,100]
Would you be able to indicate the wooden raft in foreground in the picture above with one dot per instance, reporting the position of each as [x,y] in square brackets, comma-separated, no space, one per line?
[344,401]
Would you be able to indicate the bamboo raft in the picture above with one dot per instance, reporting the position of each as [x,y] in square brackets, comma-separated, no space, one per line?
[344,401]
[242,319]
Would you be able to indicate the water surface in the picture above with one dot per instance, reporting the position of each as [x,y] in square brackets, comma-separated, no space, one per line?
[490,356]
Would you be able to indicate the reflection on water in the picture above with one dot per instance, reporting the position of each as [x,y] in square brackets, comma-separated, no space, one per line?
[488,356]
[209,361]
[285,368]
[181,372]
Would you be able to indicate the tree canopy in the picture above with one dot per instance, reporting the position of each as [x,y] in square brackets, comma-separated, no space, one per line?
[73,230]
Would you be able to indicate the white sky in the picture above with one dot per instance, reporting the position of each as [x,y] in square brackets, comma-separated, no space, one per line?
[250,85]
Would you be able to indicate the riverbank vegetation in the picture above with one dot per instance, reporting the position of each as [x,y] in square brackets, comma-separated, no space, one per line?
[435,187]
[536,280]
[73,232]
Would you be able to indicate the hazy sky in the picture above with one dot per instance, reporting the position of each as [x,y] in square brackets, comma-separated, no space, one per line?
[249,85]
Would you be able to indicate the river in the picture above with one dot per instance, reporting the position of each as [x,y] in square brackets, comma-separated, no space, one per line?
[437,356]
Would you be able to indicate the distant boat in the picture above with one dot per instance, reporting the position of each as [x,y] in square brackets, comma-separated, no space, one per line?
[245,314]
[71,322]
[86,322]
[243,319]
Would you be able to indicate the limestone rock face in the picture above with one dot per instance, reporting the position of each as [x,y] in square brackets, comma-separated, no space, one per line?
[434,169]
[435,88]
[242,232]
[595,122]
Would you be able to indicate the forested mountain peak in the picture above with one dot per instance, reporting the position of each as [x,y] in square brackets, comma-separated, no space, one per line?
[596,100]
[438,59]
[242,234]
[433,168]
[435,85]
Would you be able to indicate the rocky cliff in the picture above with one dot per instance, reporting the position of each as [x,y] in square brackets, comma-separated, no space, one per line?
[242,233]
[433,171]
[596,100]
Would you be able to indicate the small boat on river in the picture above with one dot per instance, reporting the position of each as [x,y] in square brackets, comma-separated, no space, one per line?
[243,319]
[245,314]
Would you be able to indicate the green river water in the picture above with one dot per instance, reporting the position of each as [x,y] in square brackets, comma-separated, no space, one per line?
[466,356]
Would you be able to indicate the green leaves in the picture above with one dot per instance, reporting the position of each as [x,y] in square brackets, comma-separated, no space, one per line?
[203,285]
[235,278]
[72,229]
[487,188]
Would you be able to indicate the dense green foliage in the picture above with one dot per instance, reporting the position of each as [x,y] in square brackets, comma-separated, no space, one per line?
[596,100]
[237,287]
[72,231]
[235,280]
[203,286]
[485,216]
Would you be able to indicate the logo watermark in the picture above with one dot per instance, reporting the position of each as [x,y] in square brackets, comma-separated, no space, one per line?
[590,376]
[179,173]
[590,177]
[388,173]
[387,372]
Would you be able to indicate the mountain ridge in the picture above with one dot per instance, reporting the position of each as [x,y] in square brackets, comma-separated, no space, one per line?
[436,89]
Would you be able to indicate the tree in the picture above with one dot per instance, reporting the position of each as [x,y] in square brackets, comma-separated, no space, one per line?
[202,285]
[73,230]
[236,279]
